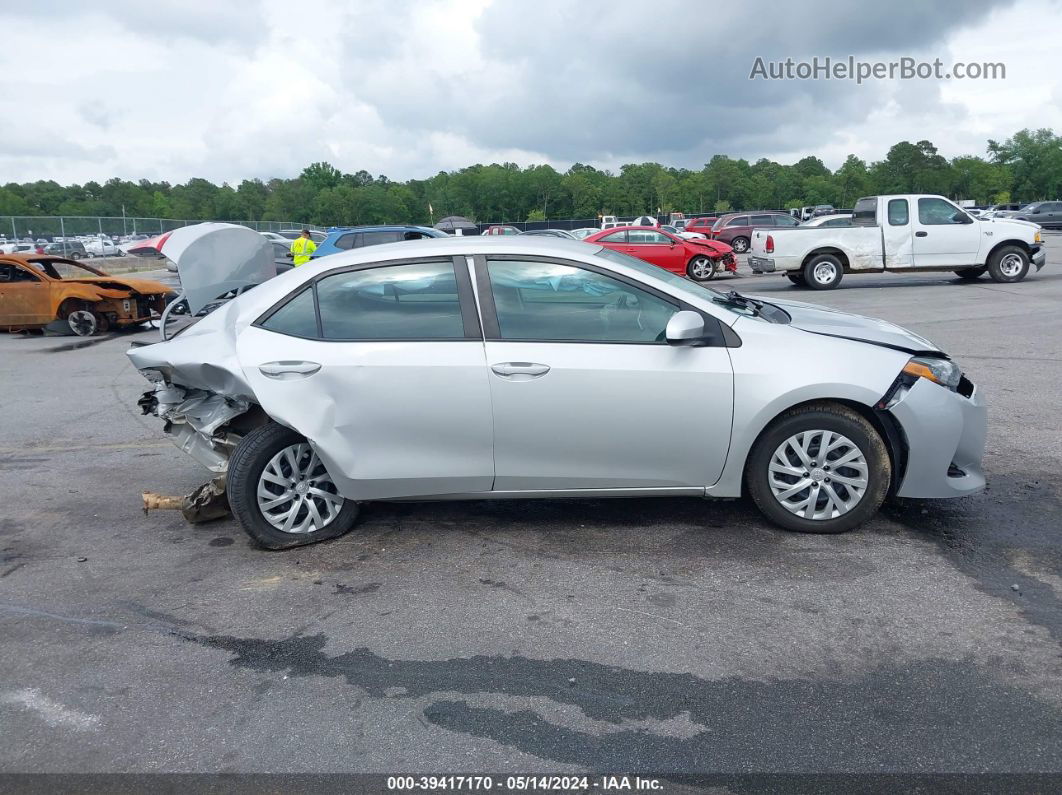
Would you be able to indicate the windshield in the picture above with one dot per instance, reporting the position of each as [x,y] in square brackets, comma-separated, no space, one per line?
[716,296]
[61,269]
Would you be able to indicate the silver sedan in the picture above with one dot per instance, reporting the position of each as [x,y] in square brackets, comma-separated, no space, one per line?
[520,367]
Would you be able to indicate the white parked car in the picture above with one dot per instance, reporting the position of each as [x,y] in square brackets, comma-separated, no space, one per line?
[101,247]
[900,234]
[535,367]
[836,219]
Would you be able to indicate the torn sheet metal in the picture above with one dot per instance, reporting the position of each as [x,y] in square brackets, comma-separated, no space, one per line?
[202,356]
[194,418]
[213,259]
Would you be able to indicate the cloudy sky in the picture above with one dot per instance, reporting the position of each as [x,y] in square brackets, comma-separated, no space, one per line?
[173,89]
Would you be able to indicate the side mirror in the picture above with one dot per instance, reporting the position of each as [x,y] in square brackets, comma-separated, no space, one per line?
[684,328]
[1036,211]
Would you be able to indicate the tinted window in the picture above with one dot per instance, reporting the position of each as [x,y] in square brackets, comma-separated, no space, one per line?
[297,317]
[615,237]
[785,220]
[375,238]
[761,220]
[546,301]
[646,236]
[937,212]
[346,241]
[838,222]
[415,301]
[865,212]
[899,212]
[741,220]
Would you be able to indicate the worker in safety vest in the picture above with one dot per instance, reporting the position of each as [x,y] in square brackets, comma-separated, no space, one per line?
[302,247]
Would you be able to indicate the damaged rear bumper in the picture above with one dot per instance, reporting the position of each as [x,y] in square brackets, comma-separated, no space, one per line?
[196,420]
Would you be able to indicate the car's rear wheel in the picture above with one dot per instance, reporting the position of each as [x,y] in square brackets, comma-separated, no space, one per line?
[797,278]
[280,492]
[701,268]
[820,468]
[823,272]
[740,244]
[1008,264]
[970,274]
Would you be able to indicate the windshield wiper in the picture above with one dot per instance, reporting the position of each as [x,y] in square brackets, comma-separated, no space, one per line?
[734,298]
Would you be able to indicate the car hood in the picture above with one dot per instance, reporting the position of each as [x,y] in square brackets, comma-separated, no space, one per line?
[833,323]
[143,286]
[714,245]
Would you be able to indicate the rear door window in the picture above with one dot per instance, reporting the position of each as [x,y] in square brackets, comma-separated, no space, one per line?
[412,301]
[741,220]
[899,212]
[761,220]
[376,238]
[348,240]
[615,237]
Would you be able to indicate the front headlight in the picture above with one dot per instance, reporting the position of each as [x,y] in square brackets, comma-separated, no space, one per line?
[1038,238]
[940,371]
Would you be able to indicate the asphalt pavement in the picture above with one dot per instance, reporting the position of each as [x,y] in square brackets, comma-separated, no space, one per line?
[670,635]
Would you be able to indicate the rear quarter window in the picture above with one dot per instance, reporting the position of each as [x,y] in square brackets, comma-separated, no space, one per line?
[865,212]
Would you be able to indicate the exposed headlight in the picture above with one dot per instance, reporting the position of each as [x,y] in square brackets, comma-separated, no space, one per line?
[940,371]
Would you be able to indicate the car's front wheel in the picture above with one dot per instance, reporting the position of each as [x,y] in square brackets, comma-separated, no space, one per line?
[281,493]
[1008,264]
[701,268]
[820,468]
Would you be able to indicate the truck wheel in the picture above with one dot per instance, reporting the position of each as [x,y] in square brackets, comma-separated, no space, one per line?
[280,492]
[740,245]
[823,272]
[970,274]
[1008,264]
[797,278]
[701,268]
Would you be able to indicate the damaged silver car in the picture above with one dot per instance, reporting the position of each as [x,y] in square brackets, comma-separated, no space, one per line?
[518,367]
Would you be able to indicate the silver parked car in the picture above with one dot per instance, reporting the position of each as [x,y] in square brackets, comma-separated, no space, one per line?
[523,366]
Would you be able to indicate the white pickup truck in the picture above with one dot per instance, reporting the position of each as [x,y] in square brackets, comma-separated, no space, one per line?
[899,233]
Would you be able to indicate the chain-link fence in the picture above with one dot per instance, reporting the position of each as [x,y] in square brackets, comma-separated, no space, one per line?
[49,228]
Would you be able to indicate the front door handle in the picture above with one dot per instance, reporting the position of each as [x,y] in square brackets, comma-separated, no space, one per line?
[286,371]
[520,371]
[921,234]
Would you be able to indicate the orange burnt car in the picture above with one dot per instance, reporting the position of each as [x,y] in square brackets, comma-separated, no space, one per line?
[37,290]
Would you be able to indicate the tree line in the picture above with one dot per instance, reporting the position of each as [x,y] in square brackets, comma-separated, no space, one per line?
[1024,167]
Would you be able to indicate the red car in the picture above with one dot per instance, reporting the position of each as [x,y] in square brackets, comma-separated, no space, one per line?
[501,229]
[703,225]
[697,258]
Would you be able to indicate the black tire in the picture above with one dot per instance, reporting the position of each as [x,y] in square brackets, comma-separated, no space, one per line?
[740,245]
[246,465]
[797,278]
[824,416]
[822,272]
[1008,264]
[702,264]
[970,274]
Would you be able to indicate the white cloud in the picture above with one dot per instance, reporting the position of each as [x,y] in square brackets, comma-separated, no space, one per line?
[260,88]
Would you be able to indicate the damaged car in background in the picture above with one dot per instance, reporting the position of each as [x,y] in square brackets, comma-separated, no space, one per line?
[522,367]
[39,290]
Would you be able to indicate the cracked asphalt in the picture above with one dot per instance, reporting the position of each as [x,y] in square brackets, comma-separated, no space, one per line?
[663,636]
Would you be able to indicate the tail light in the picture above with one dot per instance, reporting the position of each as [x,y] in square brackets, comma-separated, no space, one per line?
[769,248]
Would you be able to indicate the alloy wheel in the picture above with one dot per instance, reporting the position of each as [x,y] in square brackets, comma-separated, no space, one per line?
[702,268]
[1011,265]
[295,492]
[818,474]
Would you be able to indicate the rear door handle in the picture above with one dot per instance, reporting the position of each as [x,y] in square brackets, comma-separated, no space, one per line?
[288,370]
[921,234]
[520,371]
